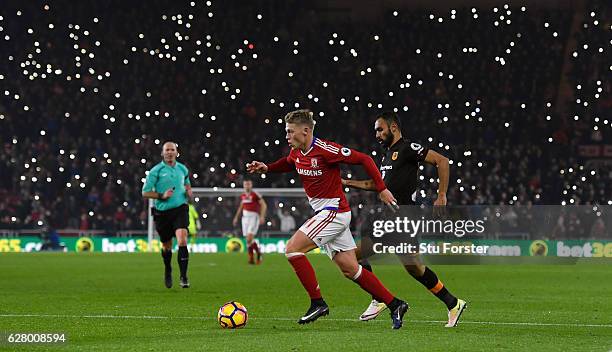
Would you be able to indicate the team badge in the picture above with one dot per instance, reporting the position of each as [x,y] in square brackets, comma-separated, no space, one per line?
[314,163]
[394,156]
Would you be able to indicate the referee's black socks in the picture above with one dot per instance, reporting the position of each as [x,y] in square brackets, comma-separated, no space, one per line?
[167,256]
[183,260]
[434,285]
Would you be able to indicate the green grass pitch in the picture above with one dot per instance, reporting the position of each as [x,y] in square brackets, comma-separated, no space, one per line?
[117,302]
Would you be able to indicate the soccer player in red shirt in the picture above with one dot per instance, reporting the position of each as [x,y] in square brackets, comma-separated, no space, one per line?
[317,162]
[253,210]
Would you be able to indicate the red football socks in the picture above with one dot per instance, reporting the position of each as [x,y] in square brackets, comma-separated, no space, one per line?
[370,283]
[250,252]
[306,274]
[256,248]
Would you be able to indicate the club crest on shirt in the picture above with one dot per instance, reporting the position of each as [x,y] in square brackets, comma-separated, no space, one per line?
[314,163]
[394,156]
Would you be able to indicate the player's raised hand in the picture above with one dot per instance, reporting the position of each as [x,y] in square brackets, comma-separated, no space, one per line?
[387,197]
[257,167]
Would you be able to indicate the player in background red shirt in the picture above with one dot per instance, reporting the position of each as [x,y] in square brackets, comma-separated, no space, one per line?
[317,163]
[253,210]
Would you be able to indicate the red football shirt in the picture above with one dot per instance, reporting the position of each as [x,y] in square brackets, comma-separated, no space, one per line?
[319,171]
[250,201]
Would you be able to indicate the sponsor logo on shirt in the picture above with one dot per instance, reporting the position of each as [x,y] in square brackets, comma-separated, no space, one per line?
[307,172]
[247,199]
[417,147]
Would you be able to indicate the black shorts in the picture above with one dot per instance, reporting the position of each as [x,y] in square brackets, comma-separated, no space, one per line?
[168,221]
[370,238]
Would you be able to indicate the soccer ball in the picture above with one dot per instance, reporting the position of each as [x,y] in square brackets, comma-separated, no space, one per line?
[232,315]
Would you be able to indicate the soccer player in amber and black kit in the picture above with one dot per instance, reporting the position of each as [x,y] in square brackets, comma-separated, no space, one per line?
[399,168]
[317,162]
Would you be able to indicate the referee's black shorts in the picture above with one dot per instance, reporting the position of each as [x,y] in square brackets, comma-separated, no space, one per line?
[168,221]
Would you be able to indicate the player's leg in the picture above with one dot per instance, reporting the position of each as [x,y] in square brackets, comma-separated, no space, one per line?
[166,254]
[181,223]
[256,248]
[248,235]
[183,256]
[164,230]
[298,245]
[250,248]
[430,280]
[347,262]
[362,252]
[338,242]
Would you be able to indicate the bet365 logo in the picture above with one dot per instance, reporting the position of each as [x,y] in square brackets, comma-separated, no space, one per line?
[587,250]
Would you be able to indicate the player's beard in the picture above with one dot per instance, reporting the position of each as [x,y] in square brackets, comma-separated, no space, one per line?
[386,141]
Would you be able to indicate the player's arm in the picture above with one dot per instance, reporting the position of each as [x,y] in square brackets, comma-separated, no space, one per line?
[366,185]
[187,184]
[238,212]
[160,196]
[148,190]
[283,164]
[155,195]
[263,208]
[188,192]
[353,157]
[441,163]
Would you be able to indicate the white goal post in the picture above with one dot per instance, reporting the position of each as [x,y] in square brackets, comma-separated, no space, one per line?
[211,192]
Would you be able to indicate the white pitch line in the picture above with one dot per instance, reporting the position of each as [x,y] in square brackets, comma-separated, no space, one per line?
[105,316]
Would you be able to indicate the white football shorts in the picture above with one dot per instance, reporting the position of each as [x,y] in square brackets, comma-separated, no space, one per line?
[250,222]
[330,231]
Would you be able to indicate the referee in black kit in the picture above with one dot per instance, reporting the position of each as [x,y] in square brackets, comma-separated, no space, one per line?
[399,168]
[168,183]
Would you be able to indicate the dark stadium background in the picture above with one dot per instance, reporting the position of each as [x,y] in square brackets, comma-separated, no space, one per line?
[517,94]
[519,99]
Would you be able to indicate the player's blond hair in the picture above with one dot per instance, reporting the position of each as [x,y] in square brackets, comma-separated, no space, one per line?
[301,117]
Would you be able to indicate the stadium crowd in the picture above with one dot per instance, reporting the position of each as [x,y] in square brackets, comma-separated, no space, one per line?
[91,91]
